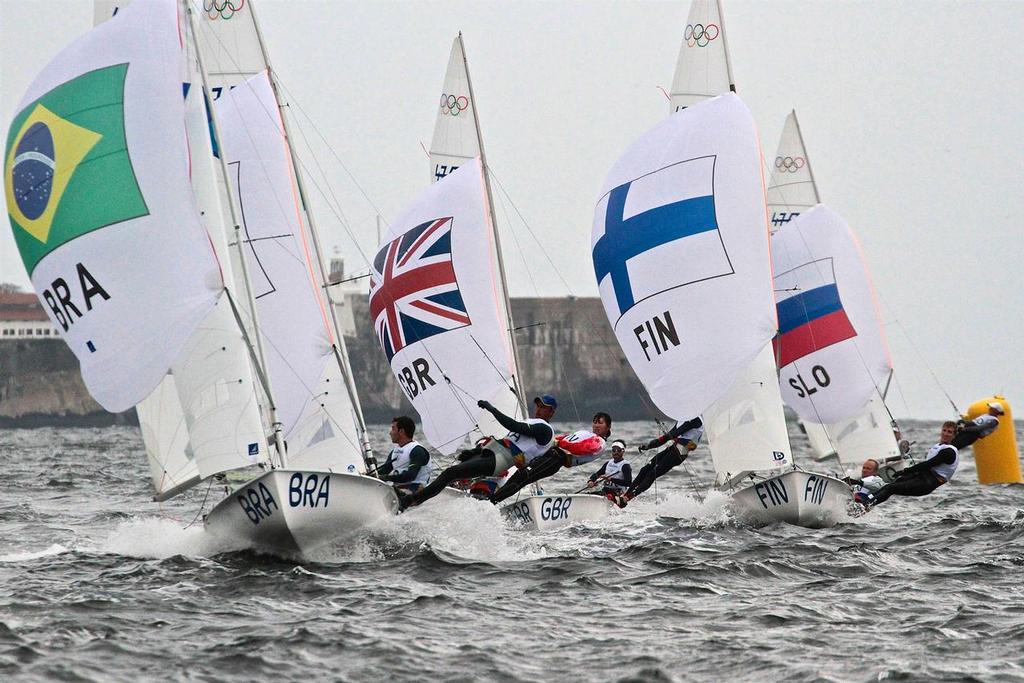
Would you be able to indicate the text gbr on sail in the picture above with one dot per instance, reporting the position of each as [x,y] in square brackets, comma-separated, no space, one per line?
[416,379]
[657,333]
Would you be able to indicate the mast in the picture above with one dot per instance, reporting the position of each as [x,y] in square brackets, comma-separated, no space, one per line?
[340,351]
[517,383]
[258,353]
[725,42]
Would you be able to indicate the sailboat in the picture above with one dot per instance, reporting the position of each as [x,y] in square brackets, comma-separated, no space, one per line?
[171,316]
[868,432]
[746,425]
[460,327]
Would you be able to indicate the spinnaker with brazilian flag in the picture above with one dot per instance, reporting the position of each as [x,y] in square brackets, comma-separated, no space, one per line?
[96,183]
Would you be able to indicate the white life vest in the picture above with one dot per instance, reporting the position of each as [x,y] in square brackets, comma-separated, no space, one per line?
[870,484]
[613,471]
[988,424]
[527,445]
[945,471]
[691,435]
[401,460]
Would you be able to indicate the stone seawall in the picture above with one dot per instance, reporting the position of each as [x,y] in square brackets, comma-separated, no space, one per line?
[566,348]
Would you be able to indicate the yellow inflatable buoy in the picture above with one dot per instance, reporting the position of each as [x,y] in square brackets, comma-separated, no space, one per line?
[996,455]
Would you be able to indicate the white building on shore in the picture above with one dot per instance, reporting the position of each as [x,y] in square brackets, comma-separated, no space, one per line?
[21,317]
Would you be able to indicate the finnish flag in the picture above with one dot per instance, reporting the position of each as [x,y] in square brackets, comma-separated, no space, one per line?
[660,232]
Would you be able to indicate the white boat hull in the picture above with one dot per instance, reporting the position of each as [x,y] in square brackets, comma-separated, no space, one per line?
[806,499]
[299,510]
[553,511]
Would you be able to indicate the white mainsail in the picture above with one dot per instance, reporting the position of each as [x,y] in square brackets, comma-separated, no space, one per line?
[98,193]
[703,69]
[831,351]
[313,405]
[456,139]
[435,302]
[680,252]
[792,189]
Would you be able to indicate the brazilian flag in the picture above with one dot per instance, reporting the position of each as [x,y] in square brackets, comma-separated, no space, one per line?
[67,170]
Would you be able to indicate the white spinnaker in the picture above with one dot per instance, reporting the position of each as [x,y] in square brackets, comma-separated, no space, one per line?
[312,403]
[831,350]
[702,68]
[792,189]
[746,428]
[154,264]
[455,140]
[680,248]
[448,334]
[207,420]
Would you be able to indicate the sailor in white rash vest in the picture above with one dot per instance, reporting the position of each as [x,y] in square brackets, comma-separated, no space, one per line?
[924,477]
[570,450]
[524,442]
[408,464]
[616,474]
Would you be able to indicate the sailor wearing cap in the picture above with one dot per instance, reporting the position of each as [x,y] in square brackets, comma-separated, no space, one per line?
[978,428]
[615,474]
[525,441]
[570,450]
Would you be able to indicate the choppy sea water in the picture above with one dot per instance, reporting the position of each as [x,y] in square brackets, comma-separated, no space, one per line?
[97,583]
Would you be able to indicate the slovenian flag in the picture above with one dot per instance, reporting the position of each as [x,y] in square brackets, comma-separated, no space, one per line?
[810,320]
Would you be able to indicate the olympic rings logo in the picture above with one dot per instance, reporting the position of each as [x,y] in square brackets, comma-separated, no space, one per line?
[450,104]
[222,9]
[789,164]
[700,35]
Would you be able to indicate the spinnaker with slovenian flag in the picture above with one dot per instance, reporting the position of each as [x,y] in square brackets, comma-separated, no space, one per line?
[831,350]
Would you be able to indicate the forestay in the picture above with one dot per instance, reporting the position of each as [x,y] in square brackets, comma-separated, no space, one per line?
[680,250]
[702,69]
[455,140]
[792,189]
[312,403]
[97,187]
[831,349]
[435,305]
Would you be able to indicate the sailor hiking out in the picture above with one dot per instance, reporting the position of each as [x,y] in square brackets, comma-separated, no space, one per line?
[924,477]
[525,442]
[683,437]
[582,446]
[978,428]
[615,475]
[869,481]
[408,465]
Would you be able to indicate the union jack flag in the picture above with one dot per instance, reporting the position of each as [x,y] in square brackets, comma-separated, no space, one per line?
[413,291]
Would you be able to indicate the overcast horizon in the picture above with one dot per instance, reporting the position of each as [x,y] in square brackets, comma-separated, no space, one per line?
[908,112]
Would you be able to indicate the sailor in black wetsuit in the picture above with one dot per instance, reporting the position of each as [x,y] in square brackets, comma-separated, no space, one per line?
[978,428]
[570,449]
[524,442]
[684,436]
[924,477]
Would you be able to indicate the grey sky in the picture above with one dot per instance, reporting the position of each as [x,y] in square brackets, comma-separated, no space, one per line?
[910,112]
